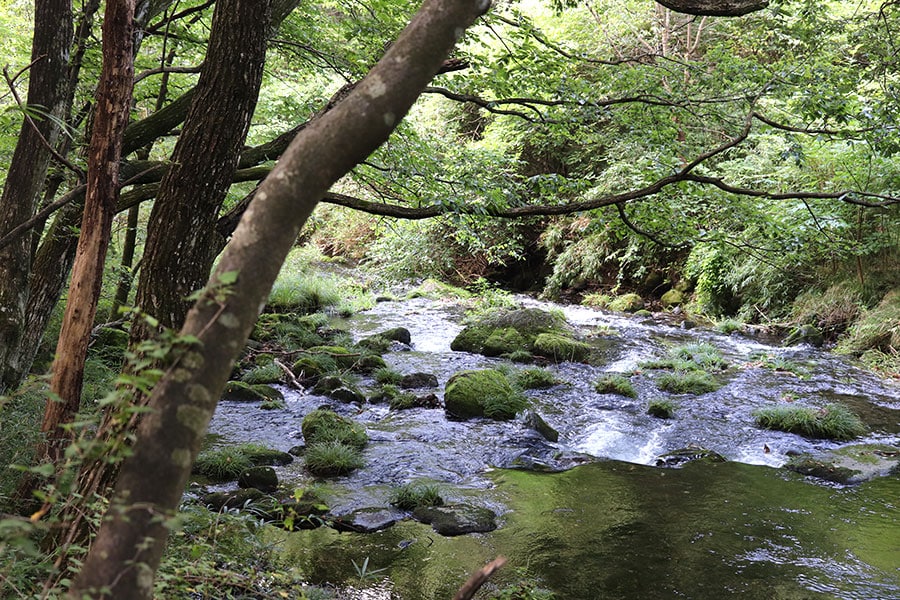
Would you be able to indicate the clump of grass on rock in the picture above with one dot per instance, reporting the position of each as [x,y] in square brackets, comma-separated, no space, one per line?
[615,383]
[332,458]
[834,421]
[413,495]
[322,425]
[687,382]
[535,379]
[661,408]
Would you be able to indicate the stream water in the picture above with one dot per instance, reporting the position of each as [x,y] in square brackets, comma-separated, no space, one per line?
[617,527]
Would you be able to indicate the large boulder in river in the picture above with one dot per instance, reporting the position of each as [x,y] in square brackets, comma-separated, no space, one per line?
[515,332]
[482,393]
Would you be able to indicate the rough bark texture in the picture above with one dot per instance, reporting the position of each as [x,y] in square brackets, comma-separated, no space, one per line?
[111,115]
[27,171]
[128,548]
[180,235]
[715,8]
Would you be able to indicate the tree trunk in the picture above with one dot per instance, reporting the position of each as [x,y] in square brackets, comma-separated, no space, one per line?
[27,171]
[112,107]
[127,551]
[180,234]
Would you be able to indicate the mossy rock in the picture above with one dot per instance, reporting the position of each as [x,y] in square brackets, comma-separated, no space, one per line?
[677,458]
[436,290]
[482,393]
[322,426]
[233,500]
[375,344]
[263,479]
[672,298]
[626,303]
[239,391]
[561,348]
[397,334]
[457,519]
[367,363]
[508,332]
[262,456]
[850,464]
[311,368]
[504,341]
[344,357]
[805,334]
[419,380]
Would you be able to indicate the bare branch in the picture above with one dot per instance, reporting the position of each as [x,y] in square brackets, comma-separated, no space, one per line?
[160,70]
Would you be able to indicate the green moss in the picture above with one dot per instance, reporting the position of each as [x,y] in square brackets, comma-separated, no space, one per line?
[478,393]
[387,375]
[615,383]
[834,421]
[343,357]
[314,366]
[436,290]
[626,303]
[323,425]
[504,341]
[561,348]
[332,458]
[596,300]
[223,464]
[729,326]
[690,357]
[688,382]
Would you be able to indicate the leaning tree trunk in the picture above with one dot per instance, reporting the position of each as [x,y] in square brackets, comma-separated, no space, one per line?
[27,172]
[177,254]
[110,118]
[127,551]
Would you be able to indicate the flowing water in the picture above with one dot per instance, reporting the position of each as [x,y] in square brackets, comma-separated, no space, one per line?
[615,528]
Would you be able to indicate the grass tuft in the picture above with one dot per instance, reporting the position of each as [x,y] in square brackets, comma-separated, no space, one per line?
[615,383]
[413,495]
[332,458]
[687,382]
[661,408]
[834,421]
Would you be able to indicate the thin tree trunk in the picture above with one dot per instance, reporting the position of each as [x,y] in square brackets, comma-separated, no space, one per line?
[111,116]
[27,171]
[127,551]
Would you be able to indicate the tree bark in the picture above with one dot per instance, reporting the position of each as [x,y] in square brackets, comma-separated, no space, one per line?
[715,8]
[127,551]
[113,102]
[180,235]
[27,172]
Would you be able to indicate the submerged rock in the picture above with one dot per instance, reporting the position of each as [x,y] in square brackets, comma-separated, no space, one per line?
[457,519]
[367,520]
[677,458]
[850,464]
[537,422]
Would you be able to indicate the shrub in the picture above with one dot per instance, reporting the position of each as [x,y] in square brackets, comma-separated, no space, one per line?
[687,382]
[661,408]
[614,383]
[535,378]
[729,326]
[834,422]
[413,495]
[332,458]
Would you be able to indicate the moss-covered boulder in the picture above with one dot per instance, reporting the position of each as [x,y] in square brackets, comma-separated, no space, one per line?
[626,303]
[322,426]
[511,333]
[503,341]
[397,334]
[239,391]
[482,393]
[343,357]
[805,334]
[310,368]
[672,298]
[561,348]
[263,479]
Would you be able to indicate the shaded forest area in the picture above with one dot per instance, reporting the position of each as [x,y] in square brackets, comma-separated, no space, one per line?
[735,161]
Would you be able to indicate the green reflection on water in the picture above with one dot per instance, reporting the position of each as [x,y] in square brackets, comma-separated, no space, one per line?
[616,530]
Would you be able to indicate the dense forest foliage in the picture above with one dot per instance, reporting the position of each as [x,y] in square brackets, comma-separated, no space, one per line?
[737,168]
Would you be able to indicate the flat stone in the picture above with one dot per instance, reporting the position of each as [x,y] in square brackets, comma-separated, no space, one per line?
[457,519]
[367,520]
